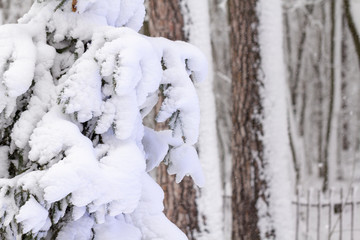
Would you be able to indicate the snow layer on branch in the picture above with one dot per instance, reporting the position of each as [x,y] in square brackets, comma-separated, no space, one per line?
[150,219]
[17,57]
[116,178]
[77,230]
[17,64]
[33,217]
[155,148]
[184,64]
[277,214]
[39,103]
[185,161]
[129,13]
[114,227]
[116,13]
[76,90]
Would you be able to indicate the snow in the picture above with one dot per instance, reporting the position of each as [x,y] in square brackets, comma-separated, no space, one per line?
[129,13]
[185,161]
[77,85]
[196,18]
[155,147]
[20,67]
[276,152]
[77,230]
[336,111]
[113,228]
[33,217]
[150,219]
[355,8]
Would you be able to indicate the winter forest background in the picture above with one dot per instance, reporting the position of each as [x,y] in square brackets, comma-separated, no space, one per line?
[280,116]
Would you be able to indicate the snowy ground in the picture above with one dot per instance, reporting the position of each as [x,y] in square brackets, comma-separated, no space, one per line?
[318,222]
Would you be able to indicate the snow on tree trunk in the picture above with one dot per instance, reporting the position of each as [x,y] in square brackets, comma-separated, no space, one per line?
[210,202]
[334,115]
[261,159]
[276,153]
[247,114]
[75,155]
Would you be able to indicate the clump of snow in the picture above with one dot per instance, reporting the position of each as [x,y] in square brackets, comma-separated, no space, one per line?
[33,217]
[155,148]
[78,229]
[184,161]
[149,218]
[18,56]
[129,13]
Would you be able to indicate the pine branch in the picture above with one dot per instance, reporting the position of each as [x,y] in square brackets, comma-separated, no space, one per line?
[60,5]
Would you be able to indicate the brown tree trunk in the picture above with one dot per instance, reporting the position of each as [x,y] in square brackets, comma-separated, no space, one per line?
[166,20]
[247,146]
[73,5]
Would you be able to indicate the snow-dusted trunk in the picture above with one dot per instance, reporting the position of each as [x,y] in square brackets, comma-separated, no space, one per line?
[197,28]
[332,153]
[261,155]
[275,210]
[247,116]
[165,20]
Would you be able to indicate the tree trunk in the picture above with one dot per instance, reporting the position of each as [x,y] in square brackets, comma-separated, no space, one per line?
[166,20]
[352,27]
[73,5]
[247,146]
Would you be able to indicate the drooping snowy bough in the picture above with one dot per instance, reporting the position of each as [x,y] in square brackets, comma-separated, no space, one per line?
[74,153]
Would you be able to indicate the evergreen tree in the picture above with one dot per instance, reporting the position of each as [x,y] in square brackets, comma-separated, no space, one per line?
[76,82]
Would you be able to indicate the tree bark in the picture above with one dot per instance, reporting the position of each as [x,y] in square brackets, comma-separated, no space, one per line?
[247,114]
[166,20]
[354,32]
[73,5]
